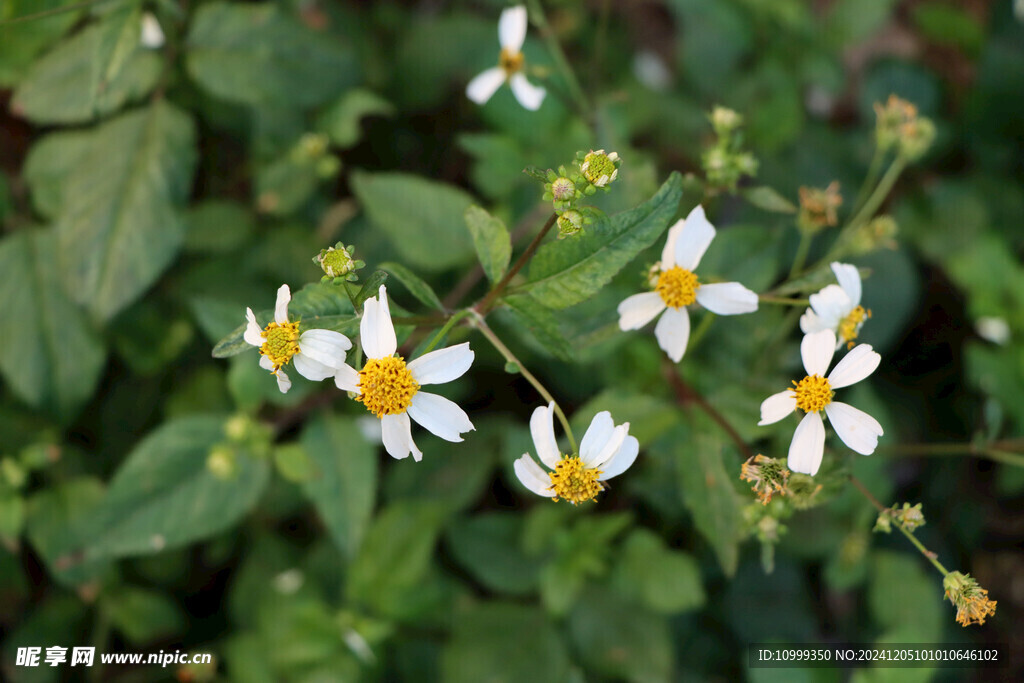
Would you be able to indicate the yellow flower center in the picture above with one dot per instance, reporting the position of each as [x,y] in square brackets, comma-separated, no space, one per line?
[386,386]
[850,326]
[813,393]
[282,343]
[677,287]
[510,62]
[575,483]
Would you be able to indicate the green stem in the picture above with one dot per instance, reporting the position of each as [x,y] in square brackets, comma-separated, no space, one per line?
[869,208]
[783,301]
[998,451]
[351,295]
[481,324]
[871,178]
[541,20]
[488,302]
[801,253]
[452,321]
[702,329]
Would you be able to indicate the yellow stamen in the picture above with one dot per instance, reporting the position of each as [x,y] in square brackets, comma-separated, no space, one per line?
[282,343]
[850,326]
[510,62]
[386,386]
[813,393]
[677,287]
[574,482]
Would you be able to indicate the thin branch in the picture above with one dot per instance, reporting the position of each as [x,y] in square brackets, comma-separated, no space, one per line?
[685,395]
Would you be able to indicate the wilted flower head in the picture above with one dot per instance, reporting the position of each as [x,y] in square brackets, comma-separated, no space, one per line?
[818,206]
[767,475]
[971,600]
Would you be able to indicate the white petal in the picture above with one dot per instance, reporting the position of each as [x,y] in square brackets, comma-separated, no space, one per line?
[812,322]
[284,295]
[727,298]
[622,460]
[776,407]
[325,347]
[443,365]
[440,416]
[532,476]
[849,280]
[694,239]
[151,36]
[639,309]
[610,448]
[376,332]
[857,429]
[346,378]
[808,445]
[668,253]
[253,332]
[816,349]
[396,433]
[485,84]
[601,429]
[855,366]
[512,28]
[529,95]
[266,363]
[542,429]
[832,304]
[312,369]
[673,332]
[283,383]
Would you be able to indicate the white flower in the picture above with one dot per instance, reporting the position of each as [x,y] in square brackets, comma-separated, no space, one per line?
[151,35]
[813,393]
[606,451]
[676,287]
[995,330]
[837,307]
[317,354]
[390,389]
[511,34]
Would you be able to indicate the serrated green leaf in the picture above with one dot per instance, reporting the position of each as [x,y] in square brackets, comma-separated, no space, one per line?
[258,55]
[415,284]
[119,226]
[423,218]
[163,496]
[90,75]
[344,484]
[566,272]
[48,165]
[341,120]
[764,197]
[53,357]
[541,323]
[492,242]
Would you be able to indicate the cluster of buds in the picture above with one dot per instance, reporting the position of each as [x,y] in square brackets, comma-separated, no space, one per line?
[566,188]
[971,600]
[873,235]
[768,476]
[726,161]
[312,149]
[818,207]
[242,434]
[338,263]
[909,517]
[899,125]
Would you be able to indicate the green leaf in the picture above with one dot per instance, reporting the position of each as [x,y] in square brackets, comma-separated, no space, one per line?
[57,522]
[344,482]
[423,218]
[709,494]
[49,163]
[163,496]
[566,272]
[21,42]
[541,323]
[905,592]
[218,226]
[489,546]
[492,242]
[119,226]
[764,197]
[370,288]
[258,55]
[284,186]
[52,358]
[849,21]
[504,643]
[396,553]
[415,284]
[341,120]
[665,581]
[949,25]
[142,616]
[91,75]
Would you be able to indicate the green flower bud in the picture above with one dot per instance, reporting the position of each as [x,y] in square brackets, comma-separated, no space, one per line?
[916,138]
[600,169]
[337,261]
[725,120]
[222,462]
[328,167]
[569,223]
[310,147]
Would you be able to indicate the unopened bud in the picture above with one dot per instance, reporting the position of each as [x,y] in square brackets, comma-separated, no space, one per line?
[600,169]
[725,120]
[569,223]
[222,461]
[891,119]
[916,138]
[337,261]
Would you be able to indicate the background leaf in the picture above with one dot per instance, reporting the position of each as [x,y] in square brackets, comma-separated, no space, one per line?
[491,239]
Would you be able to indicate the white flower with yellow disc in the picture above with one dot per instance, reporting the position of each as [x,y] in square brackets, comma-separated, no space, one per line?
[814,393]
[837,307]
[606,451]
[316,354]
[390,388]
[676,286]
[511,35]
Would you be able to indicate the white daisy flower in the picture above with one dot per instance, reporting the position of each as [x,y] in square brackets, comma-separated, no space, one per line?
[317,354]
[606,451]
[151,35]
[390,389]
[511,34]
[837,307]
[813,393]
[676,287]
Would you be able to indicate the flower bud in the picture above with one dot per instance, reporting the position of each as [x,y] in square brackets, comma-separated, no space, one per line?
[600,169]
[891,119]
[818,207]
[879,232]
[916,138]
[570,223]
[337,262]
[222,462]
[725,120]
